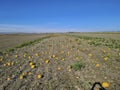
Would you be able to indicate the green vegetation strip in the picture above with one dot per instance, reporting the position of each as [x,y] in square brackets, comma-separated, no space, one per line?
[96,41]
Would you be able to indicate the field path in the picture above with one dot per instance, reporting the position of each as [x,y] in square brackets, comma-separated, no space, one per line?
[48,65]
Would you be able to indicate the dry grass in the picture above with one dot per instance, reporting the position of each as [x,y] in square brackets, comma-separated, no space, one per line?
[11,40]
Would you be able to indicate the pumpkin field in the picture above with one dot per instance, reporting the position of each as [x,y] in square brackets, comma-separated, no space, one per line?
[60,61]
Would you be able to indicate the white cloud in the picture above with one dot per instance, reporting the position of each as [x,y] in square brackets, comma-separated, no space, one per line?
[30,29]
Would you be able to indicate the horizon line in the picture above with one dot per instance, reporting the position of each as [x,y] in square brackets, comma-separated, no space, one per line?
[43,29]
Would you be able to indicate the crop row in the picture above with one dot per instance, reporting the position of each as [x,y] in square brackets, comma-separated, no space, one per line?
[96,41]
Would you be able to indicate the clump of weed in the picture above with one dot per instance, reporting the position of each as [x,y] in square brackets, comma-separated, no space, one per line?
[1,53]
[11,50]
[73,46]
[78,66]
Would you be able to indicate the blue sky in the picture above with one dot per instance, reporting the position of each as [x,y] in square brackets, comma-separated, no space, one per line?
[59,15]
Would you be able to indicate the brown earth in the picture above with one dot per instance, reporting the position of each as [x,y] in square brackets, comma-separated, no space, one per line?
[53,58]
[11,40]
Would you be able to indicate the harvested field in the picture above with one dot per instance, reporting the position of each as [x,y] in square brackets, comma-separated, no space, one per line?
[11,40]
[61,62]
